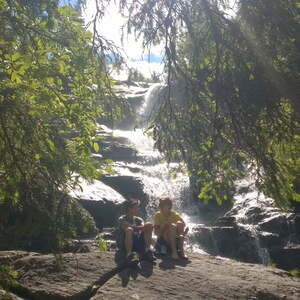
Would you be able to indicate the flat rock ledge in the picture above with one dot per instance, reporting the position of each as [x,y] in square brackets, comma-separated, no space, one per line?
[95,276]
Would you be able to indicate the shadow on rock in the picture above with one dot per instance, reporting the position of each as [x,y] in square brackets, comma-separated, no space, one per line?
[169,263]
[132,269]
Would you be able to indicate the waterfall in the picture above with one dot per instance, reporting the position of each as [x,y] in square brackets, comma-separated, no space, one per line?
[152,102]
[137,163]
[158,177]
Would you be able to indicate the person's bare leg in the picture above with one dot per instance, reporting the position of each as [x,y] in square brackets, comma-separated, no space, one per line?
[128,240]
[180,228]
[170,237]
[180,234]
[148,227]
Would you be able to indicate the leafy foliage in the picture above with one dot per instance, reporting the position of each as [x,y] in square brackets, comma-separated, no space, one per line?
[8,277]
[295,272]
[102,245]
[231,103]
[53,87]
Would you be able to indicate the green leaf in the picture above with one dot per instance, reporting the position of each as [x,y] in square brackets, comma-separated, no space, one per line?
[96,147]
[51,145]
[15,56]
[16,78]
[102,245]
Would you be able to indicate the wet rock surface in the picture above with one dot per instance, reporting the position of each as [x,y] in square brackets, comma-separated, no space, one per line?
[95,276]
[254,230]
[232,242]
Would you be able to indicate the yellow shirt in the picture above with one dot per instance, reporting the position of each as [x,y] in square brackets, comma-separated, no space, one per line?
[160,219]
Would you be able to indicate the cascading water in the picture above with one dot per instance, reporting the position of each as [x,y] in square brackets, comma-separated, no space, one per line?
[151,104]
[248,201]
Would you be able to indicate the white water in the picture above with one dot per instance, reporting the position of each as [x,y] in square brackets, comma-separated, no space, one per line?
[244,203]
[156,175]
[151,104]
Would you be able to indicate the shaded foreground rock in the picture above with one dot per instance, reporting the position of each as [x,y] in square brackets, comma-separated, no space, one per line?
[8,296]
[205,277]
[70,276]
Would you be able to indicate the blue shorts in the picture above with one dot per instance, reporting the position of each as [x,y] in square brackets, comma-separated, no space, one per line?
[162,243]
[138,242]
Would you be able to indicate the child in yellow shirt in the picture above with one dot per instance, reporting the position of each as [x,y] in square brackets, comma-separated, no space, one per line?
[170,228]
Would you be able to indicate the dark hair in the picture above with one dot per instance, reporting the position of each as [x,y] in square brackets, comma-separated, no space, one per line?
[166,201]
[131,203]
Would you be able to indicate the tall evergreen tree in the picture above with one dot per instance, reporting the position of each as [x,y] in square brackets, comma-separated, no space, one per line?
[53,87]
[240,77]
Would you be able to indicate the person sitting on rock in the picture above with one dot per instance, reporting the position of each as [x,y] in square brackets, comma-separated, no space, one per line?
[170,228]
[137,236]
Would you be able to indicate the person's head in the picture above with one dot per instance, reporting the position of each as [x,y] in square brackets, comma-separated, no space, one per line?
[165,205]
[132,207]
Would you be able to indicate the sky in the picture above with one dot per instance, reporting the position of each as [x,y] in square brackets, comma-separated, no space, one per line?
[145,61]
[111,28]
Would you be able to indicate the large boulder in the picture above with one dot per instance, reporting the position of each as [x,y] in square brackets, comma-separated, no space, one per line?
[101,201]
[233,242]
[128,187]
[286,258]
[276,224]
[116,151]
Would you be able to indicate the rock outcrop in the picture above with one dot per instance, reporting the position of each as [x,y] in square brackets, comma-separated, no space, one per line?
[95,276]
[228,241]
[254,230]
[114,147]
[101,201]
[128,187]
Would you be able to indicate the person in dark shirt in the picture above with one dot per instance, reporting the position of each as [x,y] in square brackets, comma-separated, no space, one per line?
[137,235]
